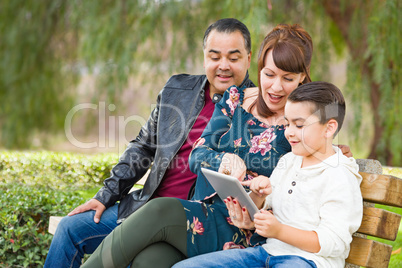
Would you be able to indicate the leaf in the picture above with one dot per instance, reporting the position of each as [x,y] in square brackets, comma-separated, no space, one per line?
[396,252]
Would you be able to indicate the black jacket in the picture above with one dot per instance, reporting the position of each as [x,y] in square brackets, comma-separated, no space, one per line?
[178,105]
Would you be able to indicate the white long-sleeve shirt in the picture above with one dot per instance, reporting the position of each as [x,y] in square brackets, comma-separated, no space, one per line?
[324,198]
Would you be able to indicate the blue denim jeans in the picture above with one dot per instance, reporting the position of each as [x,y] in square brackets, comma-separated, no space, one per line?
[248,257]
[78,235]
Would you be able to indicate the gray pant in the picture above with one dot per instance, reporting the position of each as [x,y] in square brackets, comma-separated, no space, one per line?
[153,236]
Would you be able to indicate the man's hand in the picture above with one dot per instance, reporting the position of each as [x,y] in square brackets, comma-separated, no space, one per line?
[92,204]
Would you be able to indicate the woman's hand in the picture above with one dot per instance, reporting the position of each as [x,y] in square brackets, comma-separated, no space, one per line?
[239,216]
[345,150]
[233,165]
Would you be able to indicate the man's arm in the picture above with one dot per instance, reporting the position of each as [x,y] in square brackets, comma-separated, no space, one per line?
[132,165]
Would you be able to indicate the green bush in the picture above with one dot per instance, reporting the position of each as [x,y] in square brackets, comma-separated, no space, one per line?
[24,219]
[55,170]
[34,186]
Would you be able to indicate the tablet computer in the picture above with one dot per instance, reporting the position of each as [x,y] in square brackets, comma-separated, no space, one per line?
[226,185]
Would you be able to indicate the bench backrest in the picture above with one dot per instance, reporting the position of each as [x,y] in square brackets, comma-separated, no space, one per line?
[376,189]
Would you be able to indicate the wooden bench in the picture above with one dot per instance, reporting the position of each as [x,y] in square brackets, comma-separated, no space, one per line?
[376,189]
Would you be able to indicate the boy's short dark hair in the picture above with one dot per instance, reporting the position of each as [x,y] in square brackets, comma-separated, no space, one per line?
[327,99]
[230,25]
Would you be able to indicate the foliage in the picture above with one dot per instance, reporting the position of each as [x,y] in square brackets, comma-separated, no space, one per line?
[48,45]
[35,186]
[24,220]
[376,63]
[62,171]
[31,70]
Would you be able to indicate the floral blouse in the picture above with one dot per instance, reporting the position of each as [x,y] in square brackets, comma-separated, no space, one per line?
[230,130]
[234,130]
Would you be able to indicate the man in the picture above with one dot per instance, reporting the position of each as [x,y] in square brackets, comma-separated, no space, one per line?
[184,107]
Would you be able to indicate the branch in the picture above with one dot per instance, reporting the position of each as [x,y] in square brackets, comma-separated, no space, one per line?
[342,18]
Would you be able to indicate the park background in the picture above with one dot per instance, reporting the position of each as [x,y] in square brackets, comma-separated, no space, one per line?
[78,78]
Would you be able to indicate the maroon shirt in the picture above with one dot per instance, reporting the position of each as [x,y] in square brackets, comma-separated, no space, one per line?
[178,178]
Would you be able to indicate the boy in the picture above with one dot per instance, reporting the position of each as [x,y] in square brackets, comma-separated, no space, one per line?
[313,192]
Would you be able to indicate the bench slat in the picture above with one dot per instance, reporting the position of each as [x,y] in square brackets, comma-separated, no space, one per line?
[381,189]
[53,222]
[369,253]
[380,223]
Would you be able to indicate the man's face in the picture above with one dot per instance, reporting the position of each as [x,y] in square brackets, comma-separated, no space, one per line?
[226,60]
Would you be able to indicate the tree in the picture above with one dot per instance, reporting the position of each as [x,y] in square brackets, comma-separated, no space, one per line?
[370,31]
[46,46]
[30,70]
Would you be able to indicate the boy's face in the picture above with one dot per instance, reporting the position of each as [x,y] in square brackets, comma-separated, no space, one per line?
[304,132]
[226,60]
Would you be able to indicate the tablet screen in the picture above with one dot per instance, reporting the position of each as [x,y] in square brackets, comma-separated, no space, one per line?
[226,186]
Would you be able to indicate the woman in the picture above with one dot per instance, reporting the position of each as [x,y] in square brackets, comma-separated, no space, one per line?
[245,137]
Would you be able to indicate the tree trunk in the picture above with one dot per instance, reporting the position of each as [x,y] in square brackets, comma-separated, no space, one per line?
[342,19]
[375,97]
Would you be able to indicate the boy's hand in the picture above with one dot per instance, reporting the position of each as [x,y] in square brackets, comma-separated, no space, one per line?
[260,185]
[266,224]
[238,215]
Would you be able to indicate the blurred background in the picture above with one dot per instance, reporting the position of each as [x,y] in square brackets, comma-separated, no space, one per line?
[83,75]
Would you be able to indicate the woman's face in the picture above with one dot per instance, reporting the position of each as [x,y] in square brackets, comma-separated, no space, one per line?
[276,84]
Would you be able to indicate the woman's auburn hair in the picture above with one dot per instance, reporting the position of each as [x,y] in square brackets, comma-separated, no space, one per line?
[292,49]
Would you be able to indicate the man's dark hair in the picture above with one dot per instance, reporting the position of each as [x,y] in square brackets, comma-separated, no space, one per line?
[228,26]
[327,99]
